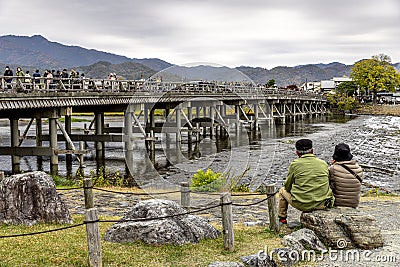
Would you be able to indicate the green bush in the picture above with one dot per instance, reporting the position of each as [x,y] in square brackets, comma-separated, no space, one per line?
[208,181]
[342,102]
[104,178]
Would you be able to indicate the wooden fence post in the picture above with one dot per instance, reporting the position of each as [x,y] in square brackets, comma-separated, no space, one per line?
[185,195]
[93,237]
[272,209]
[92,226]
[88,192]
[227,221]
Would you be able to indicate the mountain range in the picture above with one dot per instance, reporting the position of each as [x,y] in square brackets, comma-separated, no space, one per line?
[36,52]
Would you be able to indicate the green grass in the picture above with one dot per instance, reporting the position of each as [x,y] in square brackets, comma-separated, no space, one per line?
[69,248]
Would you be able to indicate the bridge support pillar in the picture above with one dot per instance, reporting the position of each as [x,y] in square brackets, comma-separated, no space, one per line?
[39,131]
[128,142]
[152,148]
[68,157]
[197,132]
[237,113]
[255,121]
[190,118]
[212,120]
[152,144]
[145,115]
[178,125]
[152,121]
[53,145]
[283,111]
[14,143]
[100,158]
[166,116]
[197,112]
[204,108]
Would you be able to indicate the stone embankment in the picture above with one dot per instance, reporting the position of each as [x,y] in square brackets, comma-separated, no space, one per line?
[389,110]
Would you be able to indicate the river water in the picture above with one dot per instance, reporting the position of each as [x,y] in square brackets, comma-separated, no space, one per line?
[254,160]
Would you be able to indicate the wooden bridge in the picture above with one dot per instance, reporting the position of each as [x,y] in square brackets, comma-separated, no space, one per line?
[211,108]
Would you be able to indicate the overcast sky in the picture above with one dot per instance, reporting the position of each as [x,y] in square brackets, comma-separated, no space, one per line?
[258,33]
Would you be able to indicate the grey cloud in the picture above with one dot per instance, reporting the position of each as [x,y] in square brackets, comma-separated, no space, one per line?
[234,31]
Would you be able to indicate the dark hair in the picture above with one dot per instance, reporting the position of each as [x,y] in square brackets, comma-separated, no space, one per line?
[342,152]
[304,146]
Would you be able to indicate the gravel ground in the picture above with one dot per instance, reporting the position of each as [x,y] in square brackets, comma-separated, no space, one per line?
[374,140]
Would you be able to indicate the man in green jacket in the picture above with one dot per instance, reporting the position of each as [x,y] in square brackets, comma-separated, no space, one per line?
[307,183]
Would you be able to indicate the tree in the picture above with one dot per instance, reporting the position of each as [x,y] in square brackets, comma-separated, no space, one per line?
[270,83]
[342,102]
[347,88]
[375,74]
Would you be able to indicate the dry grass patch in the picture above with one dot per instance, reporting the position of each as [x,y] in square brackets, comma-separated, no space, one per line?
[68,248]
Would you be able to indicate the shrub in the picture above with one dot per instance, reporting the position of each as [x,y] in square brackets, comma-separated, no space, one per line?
[208,181]
[342,102]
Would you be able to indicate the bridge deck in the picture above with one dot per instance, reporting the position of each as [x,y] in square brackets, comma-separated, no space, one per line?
[29,93]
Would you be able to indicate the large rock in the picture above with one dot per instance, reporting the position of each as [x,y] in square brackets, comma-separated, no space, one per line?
[260,259]
[31,198]
[344,228]
[297,243]
[303,239]
[172,230]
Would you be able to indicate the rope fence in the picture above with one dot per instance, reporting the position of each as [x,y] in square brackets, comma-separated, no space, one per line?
[92,221]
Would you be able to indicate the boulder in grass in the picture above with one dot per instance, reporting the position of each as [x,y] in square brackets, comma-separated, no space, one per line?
[31,198]
[176,230]
[303,239]
[344,228]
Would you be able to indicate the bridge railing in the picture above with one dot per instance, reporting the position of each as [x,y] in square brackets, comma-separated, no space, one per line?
[18,84]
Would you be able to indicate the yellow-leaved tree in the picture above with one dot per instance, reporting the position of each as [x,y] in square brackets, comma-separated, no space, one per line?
[376,74]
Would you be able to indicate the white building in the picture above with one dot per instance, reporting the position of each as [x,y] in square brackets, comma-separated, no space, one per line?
[339,80]
[327,86]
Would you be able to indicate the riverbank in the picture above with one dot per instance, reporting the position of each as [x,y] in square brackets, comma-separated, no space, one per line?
[388,110]
[374,141]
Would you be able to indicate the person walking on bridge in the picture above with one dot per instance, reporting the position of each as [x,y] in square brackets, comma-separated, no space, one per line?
[307,183]
[8,72]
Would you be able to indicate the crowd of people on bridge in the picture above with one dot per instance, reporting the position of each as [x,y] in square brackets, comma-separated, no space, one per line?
[51,76]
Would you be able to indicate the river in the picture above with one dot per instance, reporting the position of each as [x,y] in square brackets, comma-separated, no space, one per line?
[374,141]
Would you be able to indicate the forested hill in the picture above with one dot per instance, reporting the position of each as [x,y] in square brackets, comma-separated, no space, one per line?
[284,76]
[39,52]
[127,70]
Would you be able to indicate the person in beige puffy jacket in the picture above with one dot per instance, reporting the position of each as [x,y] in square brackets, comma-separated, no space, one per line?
[346,187]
